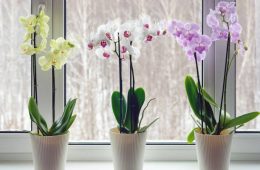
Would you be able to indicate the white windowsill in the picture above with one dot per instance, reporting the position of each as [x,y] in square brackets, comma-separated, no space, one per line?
[99,165]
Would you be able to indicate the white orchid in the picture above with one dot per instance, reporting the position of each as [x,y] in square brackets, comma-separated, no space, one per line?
[108,31]
[131,34]
[104,53]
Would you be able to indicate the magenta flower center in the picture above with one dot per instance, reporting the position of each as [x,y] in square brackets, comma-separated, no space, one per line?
[146,26]
[149,38]
[200,49]
[127,34]
[106,55]
[103,43]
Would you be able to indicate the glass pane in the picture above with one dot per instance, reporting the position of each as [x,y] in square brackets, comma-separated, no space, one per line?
[160,69]
[15,70]
[248,66]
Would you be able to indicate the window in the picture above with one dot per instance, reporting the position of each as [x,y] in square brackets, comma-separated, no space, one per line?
[14,69]
[160,69]
[248,66]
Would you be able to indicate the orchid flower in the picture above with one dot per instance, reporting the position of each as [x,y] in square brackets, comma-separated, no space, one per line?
[58,55]
[34,25]
[224,20]
[189,37]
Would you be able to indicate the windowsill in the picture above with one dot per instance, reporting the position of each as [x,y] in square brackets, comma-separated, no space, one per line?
[100,165]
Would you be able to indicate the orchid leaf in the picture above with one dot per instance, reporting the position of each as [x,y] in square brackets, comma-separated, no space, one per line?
[140,94]
[240,120]
[36,116]
[132,115]
[115,99]
[202,109]
[208,98]
[191,136]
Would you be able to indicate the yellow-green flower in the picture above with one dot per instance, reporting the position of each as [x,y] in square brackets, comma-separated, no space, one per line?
[27,49]
[42,23]
[35,24]
[57,57]
[29,23]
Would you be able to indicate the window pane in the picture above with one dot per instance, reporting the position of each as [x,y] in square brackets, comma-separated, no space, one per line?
[248,66]
[160,69]
[15,70]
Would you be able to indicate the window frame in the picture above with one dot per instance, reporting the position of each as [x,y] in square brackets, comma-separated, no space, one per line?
[16,145]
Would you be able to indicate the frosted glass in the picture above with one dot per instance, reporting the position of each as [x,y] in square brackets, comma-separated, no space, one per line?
[15,70]
[160,69]
[248,66]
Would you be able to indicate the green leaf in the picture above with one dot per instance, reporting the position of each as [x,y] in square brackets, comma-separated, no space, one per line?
[192,93]
[208,98]
[143,129]
[61,128]
[58,121]
[140,94]
[36,116]
[115,99]
[132,115]
[72,119]
[191,136]
[241,120]
[199,107]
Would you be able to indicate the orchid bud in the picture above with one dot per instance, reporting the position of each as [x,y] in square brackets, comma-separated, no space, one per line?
[123,49]
[158,33]
[90,46]
[164,32]
[108,35]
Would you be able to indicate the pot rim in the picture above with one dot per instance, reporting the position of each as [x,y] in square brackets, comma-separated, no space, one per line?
[115,131]
[41,136]
[222,135]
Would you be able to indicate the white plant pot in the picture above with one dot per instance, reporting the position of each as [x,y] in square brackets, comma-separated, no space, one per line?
[213,151]
[49,152]
[128,150]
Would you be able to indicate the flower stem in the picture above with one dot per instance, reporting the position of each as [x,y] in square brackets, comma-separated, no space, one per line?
[53,93]
[200,96]
[132,88]
[120,85]
[223,96]
[34,72]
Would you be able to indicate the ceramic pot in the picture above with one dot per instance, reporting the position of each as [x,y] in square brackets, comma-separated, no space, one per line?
[213,151]
[49,152]
[128,150]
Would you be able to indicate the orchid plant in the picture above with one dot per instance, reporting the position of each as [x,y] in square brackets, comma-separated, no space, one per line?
[225,26]
[123,41]
[36,26]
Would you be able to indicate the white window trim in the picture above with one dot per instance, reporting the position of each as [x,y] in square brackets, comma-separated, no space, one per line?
[17,146]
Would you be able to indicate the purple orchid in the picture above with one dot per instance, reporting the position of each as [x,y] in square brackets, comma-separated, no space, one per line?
[189,37]
[223,21]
